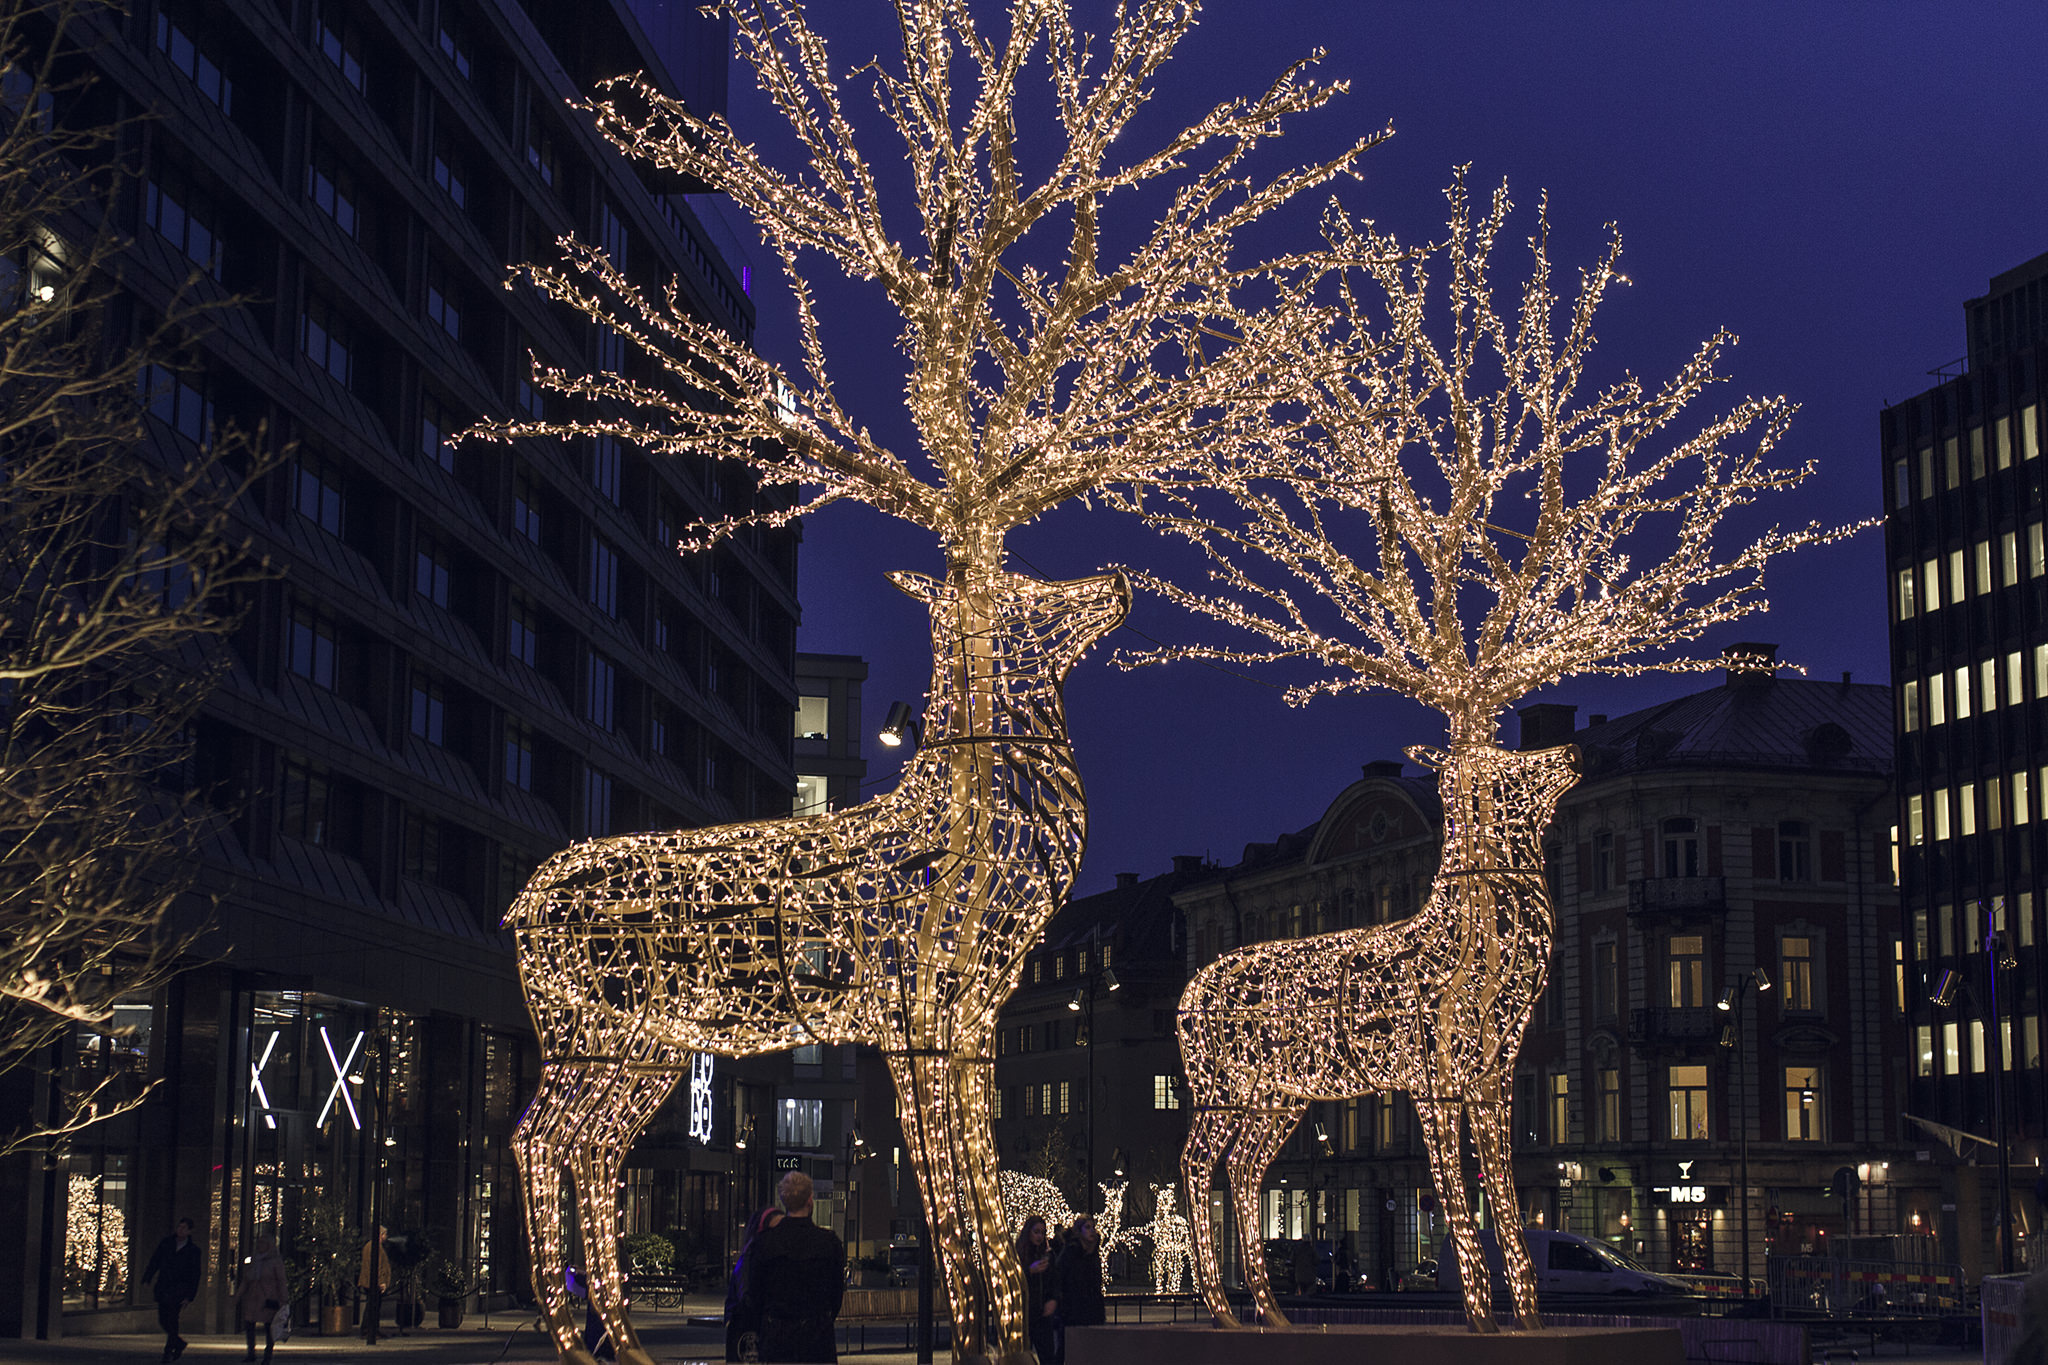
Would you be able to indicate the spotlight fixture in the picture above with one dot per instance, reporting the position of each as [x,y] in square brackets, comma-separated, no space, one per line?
[858,1140]
[1075,1003]
[1727,1000]
[1945,987]
[1109,981]
[1761,977]
[900,727]
[1116,1160]
[1730,1035]
[1322,1133]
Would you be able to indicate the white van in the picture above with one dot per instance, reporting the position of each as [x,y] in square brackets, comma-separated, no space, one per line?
[1565,1264]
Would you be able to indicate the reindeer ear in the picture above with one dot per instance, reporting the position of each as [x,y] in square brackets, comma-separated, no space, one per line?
[923,587]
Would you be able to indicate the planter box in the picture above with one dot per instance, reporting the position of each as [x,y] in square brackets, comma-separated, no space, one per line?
[451,1312]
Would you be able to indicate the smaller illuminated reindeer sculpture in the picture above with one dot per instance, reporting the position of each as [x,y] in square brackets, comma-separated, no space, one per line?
[1498,533]
[1168,1234]
[1435,1005]
[900,923]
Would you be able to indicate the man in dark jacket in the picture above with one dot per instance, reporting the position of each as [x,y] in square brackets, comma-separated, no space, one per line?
[1080,1275]
[795,1278]
[176,1268]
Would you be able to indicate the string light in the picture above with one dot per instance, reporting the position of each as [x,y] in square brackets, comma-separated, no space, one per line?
[900,923]
[1452,605]
[95,1239]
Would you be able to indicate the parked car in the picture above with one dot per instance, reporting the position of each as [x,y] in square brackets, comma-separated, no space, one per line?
[904,1259]
[1565,1264]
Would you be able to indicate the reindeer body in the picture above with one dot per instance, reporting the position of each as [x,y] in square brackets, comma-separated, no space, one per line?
[1435,1005]
[900,923]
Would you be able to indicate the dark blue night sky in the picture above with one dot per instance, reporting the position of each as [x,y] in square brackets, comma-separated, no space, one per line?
[1829,181]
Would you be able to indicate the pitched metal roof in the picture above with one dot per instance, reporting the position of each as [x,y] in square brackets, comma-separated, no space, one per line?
[1782,723]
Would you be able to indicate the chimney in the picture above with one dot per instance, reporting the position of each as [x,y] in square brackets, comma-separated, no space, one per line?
[1126,880]
[1546,724]
[1187,862]
[1749,663]
[1383,767]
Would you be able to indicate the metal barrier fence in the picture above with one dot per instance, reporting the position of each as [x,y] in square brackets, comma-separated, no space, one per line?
[1893,1289]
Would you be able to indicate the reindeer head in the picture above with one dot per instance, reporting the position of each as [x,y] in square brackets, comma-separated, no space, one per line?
[1035,625]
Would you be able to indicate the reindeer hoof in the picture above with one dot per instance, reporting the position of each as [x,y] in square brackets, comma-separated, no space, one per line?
[1225,1318]
[1485,1326]
[578,1355]
[1530,1322]
[1275,1318]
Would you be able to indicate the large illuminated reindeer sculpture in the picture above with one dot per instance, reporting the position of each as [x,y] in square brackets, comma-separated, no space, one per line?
[899,923]
[1049,354]
[1461,528]
[1435,1005]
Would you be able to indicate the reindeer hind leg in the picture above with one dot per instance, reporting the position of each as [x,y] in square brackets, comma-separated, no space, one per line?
[624,1098]
[1260,1136]
[1489,1121]
[541,1143]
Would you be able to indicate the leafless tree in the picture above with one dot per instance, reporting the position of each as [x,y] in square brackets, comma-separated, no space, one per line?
[118,569]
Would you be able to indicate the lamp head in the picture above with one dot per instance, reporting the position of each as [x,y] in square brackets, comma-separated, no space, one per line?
[1945,988]
[900,726]
[1727,1000]
[1761,978]
[1075,1003]
[1109,980]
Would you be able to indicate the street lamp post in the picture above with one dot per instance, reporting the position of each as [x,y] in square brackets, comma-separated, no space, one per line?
[1752,982]
[1997,957]
[1084,999]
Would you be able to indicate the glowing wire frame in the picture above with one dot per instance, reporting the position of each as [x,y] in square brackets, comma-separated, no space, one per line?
[339,1090]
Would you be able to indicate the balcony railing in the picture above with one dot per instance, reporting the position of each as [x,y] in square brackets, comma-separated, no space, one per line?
[1652,895]
[1675,1025]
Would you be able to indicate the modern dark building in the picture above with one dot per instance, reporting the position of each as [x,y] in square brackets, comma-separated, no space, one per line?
[831,774]
[471,654]
[1964,495]
[1745,826]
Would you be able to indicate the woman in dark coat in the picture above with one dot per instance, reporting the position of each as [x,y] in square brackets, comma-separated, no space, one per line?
[1080,1282]
[1041,1290]
[737,1321]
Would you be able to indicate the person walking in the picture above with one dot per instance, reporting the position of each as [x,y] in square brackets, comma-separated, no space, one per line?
[262,1291]
[176,1268]
[795,1279]
[739,1324]
[373,1281]
[1080,1279]
[1041,1289]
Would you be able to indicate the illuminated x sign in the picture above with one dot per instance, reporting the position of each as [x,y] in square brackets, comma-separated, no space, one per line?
[256,1080]
[339,1090]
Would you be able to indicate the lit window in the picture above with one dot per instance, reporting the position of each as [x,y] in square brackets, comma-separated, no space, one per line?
[813,717]
[1962,693]
[1980,554]
[1916,824]
[1909,704]
[1165,1092]
[1610,1104]
[1940,808]
[1560,1108]
[1795,966]
[1686,1089]
[1937,694]
[2009,559]
[1802,1104]
[1956,585]
[1930,585]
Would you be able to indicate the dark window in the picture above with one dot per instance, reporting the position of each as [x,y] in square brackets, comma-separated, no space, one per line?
[603,586]
[326,338]
[317,491]
[305,799]
[519,755]
[341,43]
[310,648]
[429,711]
[178,401]
[175,41]
[1681,847]
[540,147]
[332,187]
[436,422]
[526,492]
[430,572]
[422,847]
[604,467]
[453,39]
[184,216]
[444,308]
[601,682]
[1795,851]
[522,631]
[451,176]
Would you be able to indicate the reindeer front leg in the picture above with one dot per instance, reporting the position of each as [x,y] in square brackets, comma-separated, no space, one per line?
[1208,1139]
[542,1143]
[623,1099]
[1489,1120]
[936,1119]
[1442,1124]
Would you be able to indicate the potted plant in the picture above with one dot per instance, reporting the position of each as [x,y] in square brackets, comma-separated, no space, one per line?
[452,1282]
[408,1252]
[327,1248]
[647,1255]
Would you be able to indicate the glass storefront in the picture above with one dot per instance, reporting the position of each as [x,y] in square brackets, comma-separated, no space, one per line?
[103,1250]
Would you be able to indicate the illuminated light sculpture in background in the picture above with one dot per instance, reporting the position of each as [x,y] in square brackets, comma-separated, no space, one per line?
[1512,535]
[95,1240]
[1050,355]
[1171,1243]
[1027,1195]
[702,1118]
